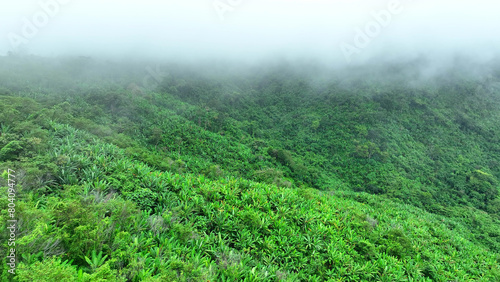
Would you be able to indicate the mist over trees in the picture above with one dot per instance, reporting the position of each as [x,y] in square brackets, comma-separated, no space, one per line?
[250,140]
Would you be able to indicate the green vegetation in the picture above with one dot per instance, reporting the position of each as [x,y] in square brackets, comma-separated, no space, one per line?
[260,175]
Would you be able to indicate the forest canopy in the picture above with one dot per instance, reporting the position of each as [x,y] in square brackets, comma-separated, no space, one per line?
[286,171]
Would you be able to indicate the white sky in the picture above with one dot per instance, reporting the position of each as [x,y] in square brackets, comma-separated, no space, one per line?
[250,29]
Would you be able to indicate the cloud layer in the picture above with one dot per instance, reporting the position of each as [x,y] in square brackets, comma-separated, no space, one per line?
[335,31]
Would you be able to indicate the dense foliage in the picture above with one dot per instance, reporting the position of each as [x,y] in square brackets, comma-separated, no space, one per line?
[263,174]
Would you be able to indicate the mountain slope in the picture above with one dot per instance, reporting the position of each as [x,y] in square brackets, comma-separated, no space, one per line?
[269,175]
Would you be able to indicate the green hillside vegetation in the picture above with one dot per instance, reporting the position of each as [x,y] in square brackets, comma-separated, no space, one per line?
[250,174]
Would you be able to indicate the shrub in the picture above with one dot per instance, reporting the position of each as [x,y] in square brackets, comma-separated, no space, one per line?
[285,157]
[395,243]
[367,150]
[251,219]
[11,151]
[365,249]
[52,269]
[144,197]
[268,175]
[103,273]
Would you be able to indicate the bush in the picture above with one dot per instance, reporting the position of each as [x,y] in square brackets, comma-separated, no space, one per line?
[285,158]
[395,243]
[52,269]
[482,188]
[11,151]
[144,197]
[365,249]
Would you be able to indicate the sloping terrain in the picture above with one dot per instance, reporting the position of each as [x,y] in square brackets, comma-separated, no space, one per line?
[265,175]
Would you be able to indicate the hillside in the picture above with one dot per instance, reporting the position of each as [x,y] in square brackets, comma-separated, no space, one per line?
[275,172]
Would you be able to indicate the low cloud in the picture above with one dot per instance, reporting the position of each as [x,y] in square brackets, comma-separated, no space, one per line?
[337,33]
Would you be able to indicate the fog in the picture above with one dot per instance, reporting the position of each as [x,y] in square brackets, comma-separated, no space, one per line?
[335,32]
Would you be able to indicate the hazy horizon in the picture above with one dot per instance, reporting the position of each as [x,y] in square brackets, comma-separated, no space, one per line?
[333,32]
